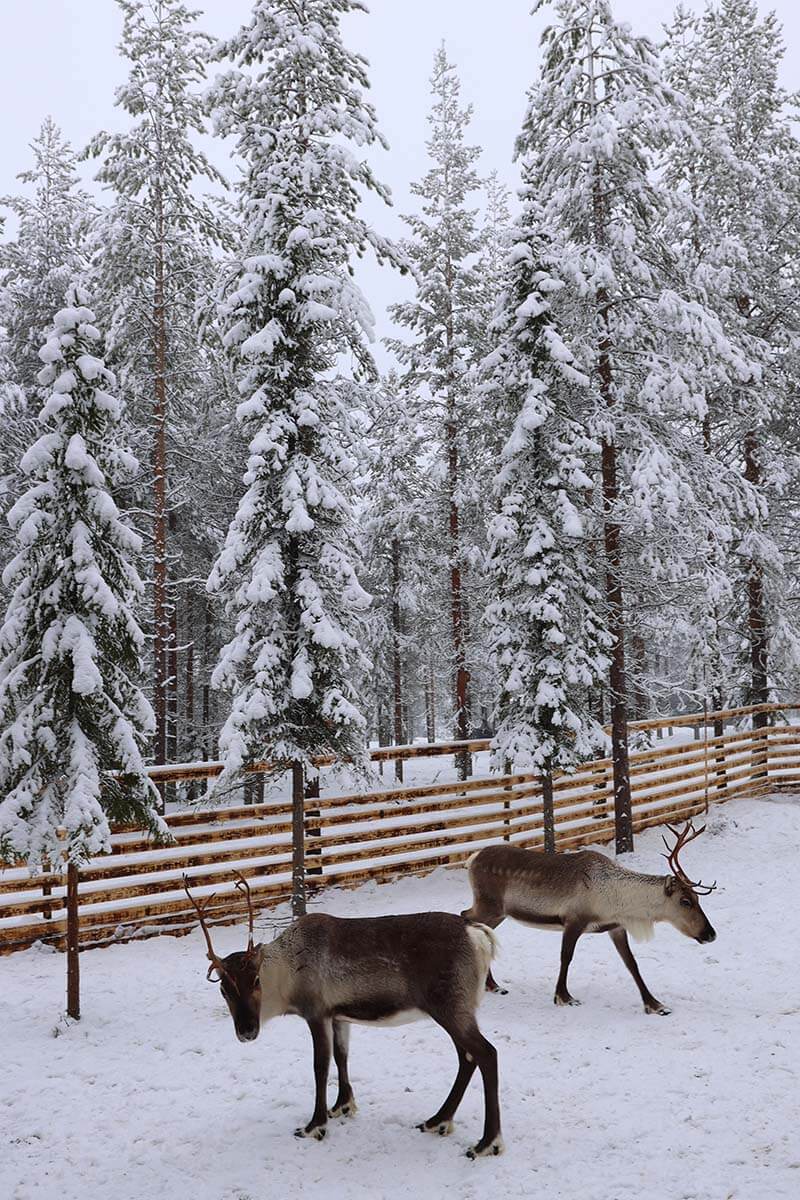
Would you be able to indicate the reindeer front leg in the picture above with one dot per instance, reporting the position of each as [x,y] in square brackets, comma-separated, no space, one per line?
[344,1105]
[620,939]
[321,1037]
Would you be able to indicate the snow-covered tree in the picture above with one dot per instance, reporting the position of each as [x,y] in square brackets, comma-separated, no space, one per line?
[599,122]
[151,271]
[546,617]
[395,523]
[444,321]
[741,174]
[70,646]
[46,254]
[294,101]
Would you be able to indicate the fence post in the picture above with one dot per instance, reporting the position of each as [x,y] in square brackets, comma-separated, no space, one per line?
[298,841]
[73,933]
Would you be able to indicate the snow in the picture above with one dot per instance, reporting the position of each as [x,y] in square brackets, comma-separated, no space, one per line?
[151,1094]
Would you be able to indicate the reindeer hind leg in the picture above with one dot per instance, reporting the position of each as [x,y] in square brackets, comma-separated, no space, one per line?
[473,1051]
[344,1105]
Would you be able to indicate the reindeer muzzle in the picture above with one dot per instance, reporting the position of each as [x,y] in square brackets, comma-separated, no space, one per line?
[709,934]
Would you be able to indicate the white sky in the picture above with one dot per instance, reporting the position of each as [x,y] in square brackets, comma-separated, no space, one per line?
[59,58]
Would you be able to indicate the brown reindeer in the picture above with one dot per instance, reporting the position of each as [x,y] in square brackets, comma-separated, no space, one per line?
[586,892]
[333,972]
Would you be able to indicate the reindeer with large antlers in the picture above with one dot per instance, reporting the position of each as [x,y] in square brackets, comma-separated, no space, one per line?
[587,892]
[334,971]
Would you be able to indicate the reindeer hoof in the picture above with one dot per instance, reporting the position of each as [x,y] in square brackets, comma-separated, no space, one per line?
[443,1128]
[495,1146]
[660,1009]
[317,1132]
[348,1109]
[564,1000]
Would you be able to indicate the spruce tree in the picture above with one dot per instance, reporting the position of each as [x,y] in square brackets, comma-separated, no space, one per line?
[294,102]
[70,707]
[547,618]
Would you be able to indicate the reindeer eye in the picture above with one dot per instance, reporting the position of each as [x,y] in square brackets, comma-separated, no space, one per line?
[686,902]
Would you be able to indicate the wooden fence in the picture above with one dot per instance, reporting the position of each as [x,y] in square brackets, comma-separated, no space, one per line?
[136,890]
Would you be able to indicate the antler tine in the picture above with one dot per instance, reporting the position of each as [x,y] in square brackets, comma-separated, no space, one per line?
[682,838]
[243,886]
[200,909]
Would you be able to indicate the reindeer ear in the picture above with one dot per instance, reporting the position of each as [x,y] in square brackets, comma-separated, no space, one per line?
[670,883]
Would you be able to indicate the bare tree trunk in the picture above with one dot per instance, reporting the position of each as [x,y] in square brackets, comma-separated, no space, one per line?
[172,677]
[206,679]
[191,790]
[430,704]
[548,812]
[397,663]
[639,691]
[757,617]
[298,841]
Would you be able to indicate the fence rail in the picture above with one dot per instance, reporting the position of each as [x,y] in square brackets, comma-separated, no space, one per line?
[136,890]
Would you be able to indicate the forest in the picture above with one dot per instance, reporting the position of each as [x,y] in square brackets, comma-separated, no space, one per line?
[231,532]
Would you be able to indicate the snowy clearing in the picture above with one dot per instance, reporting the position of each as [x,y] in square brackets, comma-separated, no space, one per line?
[151,1095]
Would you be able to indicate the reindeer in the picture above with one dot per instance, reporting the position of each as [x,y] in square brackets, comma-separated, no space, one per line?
[586,892]
[334,972]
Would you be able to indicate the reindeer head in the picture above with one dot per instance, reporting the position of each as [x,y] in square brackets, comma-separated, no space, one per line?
[682,907]
[238,974]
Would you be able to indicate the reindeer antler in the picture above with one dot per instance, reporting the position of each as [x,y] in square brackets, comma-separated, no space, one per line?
[200,909]
[682,838]
[244,887]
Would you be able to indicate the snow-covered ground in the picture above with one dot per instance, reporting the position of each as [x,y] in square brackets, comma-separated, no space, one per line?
[151,1096]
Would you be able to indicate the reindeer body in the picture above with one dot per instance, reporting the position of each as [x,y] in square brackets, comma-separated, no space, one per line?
[334,972]
[579,893]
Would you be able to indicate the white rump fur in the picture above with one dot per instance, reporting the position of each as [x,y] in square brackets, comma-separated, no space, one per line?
[485,943]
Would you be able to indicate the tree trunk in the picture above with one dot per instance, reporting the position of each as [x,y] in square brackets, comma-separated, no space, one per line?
[397,663]
[298,841]
[639,691]
[623,815]
[757,617]
[430,704]
[206,677]
[160,618]
[191,790]
[548,812]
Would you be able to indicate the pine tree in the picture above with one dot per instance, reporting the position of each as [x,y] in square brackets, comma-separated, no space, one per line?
[395,528]
[444,320]
[598,124]
[741,176]
[547,619]
[152,269]
[294,102]
[70,707]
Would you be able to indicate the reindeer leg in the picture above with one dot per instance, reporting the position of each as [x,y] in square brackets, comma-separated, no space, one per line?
[619,937]
[321,1037]
[568,943]
[442,1121]
[344,1105]
[473,1051]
